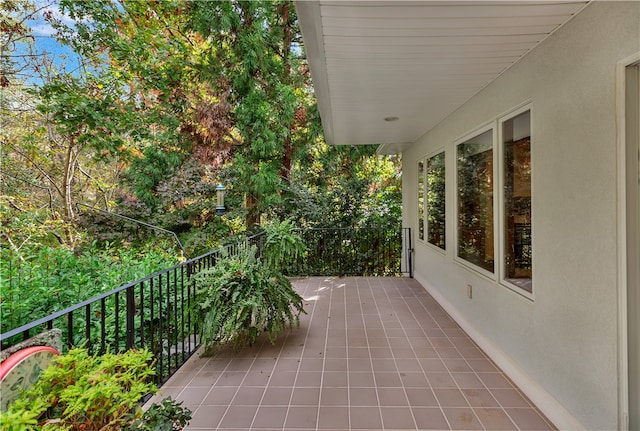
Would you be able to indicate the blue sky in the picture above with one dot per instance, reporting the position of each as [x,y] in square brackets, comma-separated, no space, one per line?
[43,33]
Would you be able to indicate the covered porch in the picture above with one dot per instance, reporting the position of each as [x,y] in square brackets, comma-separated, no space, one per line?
[371,353]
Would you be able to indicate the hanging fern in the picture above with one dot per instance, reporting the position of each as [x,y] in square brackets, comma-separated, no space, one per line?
[283,245]
[240,298]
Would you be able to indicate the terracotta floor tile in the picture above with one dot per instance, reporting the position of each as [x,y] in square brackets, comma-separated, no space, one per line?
[277,396]
[256,378]
[363,397]
[248,396]
[335,379]
[361,380]
[450,397]
[309,379]
[392,397]
[527,419]
[302,417]
[334,396]
[413,380]
[462,419]
[384,365]
[238,417]
[333,418]
[494,419]
[388,380]
[397,418]
[467,380]
[510,398]
[408,365]
[231,378]
[220,396]
[440,380]
[430,419]
[193,396]
[421,397]
[270,417]
[305,396]
[380,352]
[480,398]
[282,378]
[432,364]
[365,418]
[207,416]
[371,354]
[359,365]
[458,366]
[495,380]
[335,364]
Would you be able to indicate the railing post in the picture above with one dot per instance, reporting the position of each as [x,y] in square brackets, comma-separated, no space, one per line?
[410,252]
[131,310]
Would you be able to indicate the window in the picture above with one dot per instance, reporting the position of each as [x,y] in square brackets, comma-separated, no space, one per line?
[475,200]
[436,200]
[516,168]
[421,200]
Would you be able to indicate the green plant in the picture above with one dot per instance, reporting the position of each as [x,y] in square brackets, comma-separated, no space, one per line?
[168,415]
[283,246]
[18,421]
[84,392]
[240,298]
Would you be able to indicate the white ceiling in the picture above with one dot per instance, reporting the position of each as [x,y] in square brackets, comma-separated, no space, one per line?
[415,60]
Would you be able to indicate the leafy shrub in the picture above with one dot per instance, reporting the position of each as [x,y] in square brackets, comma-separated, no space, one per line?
[240,298]
[44,280]
[83,392]
[169,415]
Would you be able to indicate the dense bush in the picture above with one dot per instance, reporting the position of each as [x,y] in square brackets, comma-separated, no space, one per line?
[79,391]
[43,280]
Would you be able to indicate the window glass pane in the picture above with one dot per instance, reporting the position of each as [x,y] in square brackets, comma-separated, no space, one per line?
[516,134]
[421,200]
[436,200]
[475,200]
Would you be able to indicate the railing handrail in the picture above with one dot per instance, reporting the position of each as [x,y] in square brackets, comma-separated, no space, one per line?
[24,328]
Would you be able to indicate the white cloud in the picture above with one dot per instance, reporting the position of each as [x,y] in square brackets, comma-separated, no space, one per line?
[42,30]
[40,27]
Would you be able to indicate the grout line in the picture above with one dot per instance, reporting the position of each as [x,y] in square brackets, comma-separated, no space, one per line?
[415,423]
[406,303]
[324,355]
[311,316]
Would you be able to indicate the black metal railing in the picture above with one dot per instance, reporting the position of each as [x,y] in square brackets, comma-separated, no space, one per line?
[153,313]
[156,311]
[352,252]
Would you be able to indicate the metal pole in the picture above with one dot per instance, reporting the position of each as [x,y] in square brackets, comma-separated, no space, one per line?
[184,253]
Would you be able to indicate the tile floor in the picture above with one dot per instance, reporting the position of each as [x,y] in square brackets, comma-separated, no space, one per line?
[370,354]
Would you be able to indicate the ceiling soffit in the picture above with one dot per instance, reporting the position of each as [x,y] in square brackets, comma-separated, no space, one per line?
[417,61]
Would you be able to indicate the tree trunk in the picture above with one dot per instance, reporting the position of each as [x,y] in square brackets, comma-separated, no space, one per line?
[253,212]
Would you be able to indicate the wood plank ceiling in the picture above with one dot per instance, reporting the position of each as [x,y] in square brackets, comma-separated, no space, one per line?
[416,61]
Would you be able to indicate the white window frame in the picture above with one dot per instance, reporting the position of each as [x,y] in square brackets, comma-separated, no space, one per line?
[493,276]
[421,177]
[501,266]
[426,208]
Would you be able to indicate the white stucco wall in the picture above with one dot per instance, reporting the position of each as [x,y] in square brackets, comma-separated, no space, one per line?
[565,339]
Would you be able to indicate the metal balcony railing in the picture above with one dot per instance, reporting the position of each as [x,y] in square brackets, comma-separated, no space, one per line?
[155,312]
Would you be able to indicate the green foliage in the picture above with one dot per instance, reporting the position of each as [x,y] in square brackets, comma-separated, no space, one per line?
[282,246]
[168,415]
[42,280]
[83,392]
[18,421]
[239,298]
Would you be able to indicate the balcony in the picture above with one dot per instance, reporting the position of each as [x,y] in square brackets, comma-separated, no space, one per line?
[375,353]
[372,353]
